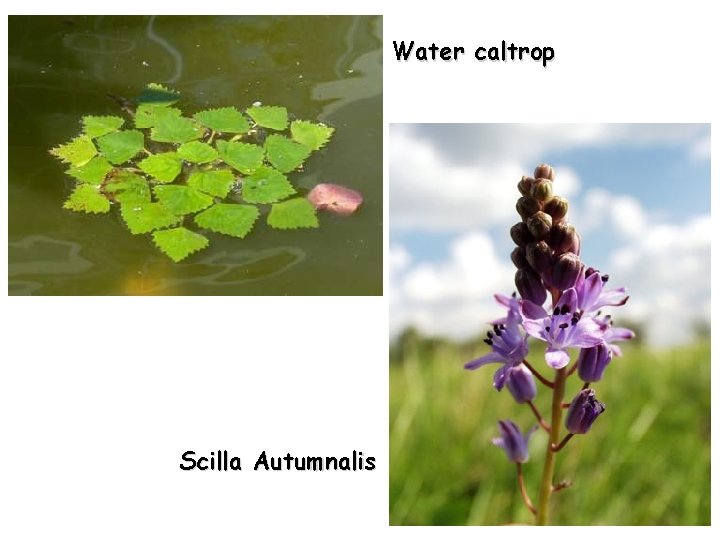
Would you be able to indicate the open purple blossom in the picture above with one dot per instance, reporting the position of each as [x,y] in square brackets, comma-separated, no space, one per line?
[612,334]
[565,327]
[512,304]
[513,442]
[509,345]
[591,294]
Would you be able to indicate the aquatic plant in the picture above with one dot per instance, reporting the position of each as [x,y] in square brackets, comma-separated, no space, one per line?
[171,175]
[547,258]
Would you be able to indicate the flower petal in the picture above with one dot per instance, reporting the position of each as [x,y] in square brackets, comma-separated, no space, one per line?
[489,358]
[586,333]
[568,298]
[536,328]
[589,292]
[618,334]
[531,310]
[557,358]
[613,297]
[501,376]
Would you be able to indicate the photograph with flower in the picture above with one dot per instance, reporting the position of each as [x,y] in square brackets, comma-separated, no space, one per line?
[575,258]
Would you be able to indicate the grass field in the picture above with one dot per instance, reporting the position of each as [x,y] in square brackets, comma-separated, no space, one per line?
[646,461]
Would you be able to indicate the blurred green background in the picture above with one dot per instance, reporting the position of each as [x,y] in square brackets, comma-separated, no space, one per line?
[646,460]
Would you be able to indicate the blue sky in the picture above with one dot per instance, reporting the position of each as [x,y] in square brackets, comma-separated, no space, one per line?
[639,195]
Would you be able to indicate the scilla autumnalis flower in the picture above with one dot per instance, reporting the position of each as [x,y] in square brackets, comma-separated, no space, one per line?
[509,345]
[513,441]
[559,304]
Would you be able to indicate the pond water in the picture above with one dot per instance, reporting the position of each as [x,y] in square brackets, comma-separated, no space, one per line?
[320,68]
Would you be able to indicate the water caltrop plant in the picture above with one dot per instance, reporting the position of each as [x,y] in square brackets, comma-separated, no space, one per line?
[168,174]
[550,273]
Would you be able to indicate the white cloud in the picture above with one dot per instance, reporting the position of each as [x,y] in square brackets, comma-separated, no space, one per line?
[427,193]
[400,258]
[667,271]
[492,143]
[623,213]
[452,297]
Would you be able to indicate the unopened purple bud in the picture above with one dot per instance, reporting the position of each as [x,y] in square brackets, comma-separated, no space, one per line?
[592,362]
[539,256]
[513,442]
[542,189]
[561,237]
[521,235]
[557,207]
[518,258]
[521,384]
[527,206]
[539,224]
[530,286]
[545,171]
[583,411]
[566,270]
[525,185]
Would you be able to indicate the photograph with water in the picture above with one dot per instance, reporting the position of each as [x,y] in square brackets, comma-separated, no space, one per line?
[189,155]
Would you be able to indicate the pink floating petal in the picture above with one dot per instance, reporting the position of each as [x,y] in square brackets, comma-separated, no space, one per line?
[335,199]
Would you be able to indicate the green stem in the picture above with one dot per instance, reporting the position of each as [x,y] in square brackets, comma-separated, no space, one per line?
[546,485]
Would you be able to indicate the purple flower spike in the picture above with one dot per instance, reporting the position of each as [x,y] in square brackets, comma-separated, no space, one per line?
[592,362]
[521,384]
[583,411]
[512,441]
[562,329]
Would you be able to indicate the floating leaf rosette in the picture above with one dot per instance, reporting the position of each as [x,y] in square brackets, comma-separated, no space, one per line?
[183,178]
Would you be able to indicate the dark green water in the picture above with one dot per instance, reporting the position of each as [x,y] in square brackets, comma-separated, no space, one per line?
[325,68]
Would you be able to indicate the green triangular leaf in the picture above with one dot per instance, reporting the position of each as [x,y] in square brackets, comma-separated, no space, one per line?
[269,117]
[181,200]
[197,152]
[87,198]
[266,185]
[157,94]
[147,115]
[293,214]
[242,156]
[97,126]
[226,120]
[93,172]
[313,136]
[77,152]
[163,167]
[128,188]
[175,129]
[232,219]
[284,154]
[179,243]
[145,217]
[121,146]
[216,183]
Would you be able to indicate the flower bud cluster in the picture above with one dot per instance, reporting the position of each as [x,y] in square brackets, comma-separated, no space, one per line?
[546,256]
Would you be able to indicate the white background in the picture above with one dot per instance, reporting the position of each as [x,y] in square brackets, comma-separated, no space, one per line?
[99,397]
